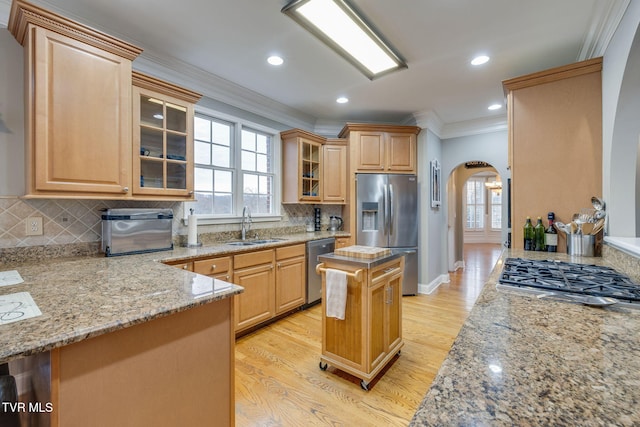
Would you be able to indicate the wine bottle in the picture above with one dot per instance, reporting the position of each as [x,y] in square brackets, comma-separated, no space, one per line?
[538,232]
[528,235]
[550,234]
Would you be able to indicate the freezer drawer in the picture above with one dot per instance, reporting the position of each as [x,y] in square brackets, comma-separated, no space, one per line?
[410,280]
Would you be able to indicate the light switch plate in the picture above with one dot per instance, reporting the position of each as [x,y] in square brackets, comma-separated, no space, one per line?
[34,226]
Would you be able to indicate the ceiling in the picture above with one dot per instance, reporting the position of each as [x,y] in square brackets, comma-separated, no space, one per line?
[223,45]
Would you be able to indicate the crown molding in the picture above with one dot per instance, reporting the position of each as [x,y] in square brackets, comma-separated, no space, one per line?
[474,127]
[605,20]
[430,120]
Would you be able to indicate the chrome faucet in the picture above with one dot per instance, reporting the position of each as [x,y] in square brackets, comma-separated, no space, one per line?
[246,220]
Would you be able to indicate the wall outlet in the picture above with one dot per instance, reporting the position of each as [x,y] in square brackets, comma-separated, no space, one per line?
[34,226]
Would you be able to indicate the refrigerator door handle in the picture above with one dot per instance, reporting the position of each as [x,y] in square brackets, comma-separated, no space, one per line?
[390,209]
[385,204]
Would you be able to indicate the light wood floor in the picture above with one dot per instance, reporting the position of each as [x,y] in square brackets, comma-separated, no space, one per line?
[278,382]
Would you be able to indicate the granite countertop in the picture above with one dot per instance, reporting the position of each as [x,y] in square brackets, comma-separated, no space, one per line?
[88,296]
[519,360]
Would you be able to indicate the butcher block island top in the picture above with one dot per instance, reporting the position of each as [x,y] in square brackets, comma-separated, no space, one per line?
[366,252]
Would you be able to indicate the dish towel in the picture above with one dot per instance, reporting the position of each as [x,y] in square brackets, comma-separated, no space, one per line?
[336,283]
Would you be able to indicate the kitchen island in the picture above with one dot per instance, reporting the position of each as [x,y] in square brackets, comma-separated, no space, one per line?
[520,360]
[369,335]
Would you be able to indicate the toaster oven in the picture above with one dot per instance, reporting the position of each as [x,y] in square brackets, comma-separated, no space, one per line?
[134,231]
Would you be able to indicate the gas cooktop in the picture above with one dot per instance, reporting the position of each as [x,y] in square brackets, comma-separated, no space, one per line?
[565,277]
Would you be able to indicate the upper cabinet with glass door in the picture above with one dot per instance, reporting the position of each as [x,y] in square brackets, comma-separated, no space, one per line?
[162,139]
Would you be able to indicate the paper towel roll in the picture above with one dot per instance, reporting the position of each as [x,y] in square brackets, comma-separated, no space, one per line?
[192,238]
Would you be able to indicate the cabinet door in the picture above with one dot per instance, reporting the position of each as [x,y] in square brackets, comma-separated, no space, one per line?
[370,151]
[256,303]
[342,242]
[163,145]
[309,170]
[80,117]
[334,165]
[290,284]
[378,297]
[393,312]
[401,152]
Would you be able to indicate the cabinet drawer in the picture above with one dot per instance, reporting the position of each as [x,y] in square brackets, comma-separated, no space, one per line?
[182,265]
[290,251]
[253,258]
[213,265]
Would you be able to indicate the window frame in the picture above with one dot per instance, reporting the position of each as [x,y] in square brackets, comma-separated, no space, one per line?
[238,124]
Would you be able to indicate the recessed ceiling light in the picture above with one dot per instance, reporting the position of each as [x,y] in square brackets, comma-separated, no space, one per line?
[275,60]
[495,107]
[479,60]
[342,100]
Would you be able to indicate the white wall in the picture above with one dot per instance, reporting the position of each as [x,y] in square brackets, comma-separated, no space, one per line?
[432,220]
[12,116]
[621,126]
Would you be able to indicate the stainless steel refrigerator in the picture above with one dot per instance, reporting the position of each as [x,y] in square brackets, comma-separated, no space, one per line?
[387,217]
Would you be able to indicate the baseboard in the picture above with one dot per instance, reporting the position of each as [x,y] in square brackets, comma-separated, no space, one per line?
[458,264]
[430,287]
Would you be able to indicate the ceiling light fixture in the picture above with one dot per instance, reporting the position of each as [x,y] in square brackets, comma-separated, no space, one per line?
[342,100]
[275,60]
[495,107]
[342,27]
[479,60]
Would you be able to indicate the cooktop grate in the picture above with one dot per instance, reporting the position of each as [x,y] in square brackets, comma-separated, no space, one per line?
[561,276]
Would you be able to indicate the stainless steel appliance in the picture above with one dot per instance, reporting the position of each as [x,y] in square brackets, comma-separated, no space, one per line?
[314,280]
[566,281]
[132,231]
[335,223]
[387,217]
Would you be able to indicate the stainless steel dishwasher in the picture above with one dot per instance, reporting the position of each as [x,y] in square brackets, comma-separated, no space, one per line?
[314,281]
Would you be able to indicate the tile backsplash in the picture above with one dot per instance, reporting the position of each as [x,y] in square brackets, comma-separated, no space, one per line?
[79,221]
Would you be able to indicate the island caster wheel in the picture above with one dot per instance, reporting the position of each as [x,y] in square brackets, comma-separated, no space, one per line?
[323,366]
[364,385]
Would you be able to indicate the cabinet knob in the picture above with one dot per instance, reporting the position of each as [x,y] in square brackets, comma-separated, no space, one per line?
[213,267]
[184,267]
[125,189]
[279,266]
[227,277]
[271,267]
[191,193]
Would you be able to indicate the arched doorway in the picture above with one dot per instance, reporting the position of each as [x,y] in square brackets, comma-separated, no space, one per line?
[477,209]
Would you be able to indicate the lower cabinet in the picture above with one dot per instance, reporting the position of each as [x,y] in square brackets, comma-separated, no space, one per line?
[254,272]
[290,277]
[273,281]
[342,242]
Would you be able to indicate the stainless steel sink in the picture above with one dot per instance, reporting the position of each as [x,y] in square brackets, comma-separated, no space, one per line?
[253,242]
[259,242]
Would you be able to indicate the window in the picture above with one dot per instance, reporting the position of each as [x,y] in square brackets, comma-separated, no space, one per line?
[235,166]
[475,197]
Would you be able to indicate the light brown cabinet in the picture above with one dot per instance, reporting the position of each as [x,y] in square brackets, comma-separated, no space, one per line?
[301,167]
[182,265]
[162,138]
[382,148]
[290,277]
[342,242]
[334,171]
[371,333]
[555,137]
[254,272]
[78,106]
